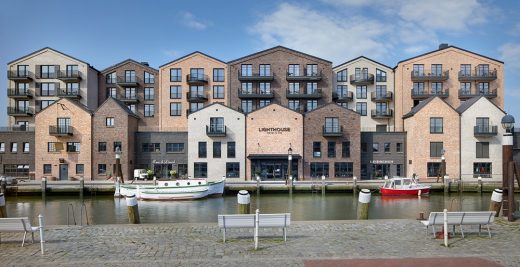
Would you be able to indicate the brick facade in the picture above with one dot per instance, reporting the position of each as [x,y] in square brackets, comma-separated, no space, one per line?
[10,161]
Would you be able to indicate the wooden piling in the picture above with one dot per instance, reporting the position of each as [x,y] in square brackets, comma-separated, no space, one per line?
[290,185]
[479,186]
[244,202]
[323,184]
[3,186]
[364,202]
[3,211]
[81,186]
[133,210]
[44,186]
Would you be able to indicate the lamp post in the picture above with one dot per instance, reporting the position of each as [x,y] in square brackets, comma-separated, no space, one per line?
[119,174]
[508,122]
[289,158]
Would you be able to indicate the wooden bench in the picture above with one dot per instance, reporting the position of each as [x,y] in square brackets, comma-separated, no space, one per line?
[278,220]
[461,218]
[21,224]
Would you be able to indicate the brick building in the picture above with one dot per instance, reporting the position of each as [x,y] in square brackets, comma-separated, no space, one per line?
[17,151]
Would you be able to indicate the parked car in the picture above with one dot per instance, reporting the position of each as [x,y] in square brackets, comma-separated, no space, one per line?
[140,174]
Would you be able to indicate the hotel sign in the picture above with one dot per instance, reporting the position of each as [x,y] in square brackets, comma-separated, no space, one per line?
[162,162]
[382,161]
[274,130]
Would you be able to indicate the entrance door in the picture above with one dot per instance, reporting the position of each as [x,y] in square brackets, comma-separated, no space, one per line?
[64,171]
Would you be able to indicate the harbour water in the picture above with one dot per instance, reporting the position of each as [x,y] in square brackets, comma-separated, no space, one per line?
[63,210]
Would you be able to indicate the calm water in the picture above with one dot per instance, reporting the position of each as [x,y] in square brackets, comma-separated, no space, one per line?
[304,207]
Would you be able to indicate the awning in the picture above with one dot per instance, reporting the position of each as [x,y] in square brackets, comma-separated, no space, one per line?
[273,156]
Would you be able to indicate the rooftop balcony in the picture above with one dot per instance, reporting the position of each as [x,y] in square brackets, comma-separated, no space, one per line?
[19,93]
[129,99]
[68,94]
[255,94]
[69,76]
[199,79]
[363,79]
[423,94]
[60,130]
[485,130]
[127,81]
[381,114]
[19,76]
[255,76]
[467,94]
[342,98]
[418,76]
[216,130]
[332,131]
[307,76]
[484,76]
[196,97]
[381,97]
[21,112]
[316,94]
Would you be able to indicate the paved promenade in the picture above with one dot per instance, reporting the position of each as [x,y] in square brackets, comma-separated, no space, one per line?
[201,245]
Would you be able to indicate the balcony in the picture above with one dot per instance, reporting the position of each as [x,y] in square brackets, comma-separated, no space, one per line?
[255,77]
[129,99]
[467,94]
[364,79]
[418,76]
[332,131]
[60,130]
[381,114]
[22,112]
[129,81]
[485,130]
[484,76]
[216,130]
[381,97]
[19,76]
[17,128]
[199,79]
[68,94]
[342,98]
[196,97]
[316,94]
[19,93]
[255,94]
[307,76]
[69,76]
[423,94]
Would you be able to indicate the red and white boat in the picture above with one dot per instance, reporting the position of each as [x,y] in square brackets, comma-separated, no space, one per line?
[403,186]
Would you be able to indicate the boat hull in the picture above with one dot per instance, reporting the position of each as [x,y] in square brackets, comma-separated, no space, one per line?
[411,191]
[174,190]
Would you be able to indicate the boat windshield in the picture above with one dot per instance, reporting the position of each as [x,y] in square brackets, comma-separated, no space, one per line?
[407,182]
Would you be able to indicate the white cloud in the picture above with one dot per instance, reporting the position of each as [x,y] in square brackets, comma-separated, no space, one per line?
[191,21]
[510,53]
[170,53]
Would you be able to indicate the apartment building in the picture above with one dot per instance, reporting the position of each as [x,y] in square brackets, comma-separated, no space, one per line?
[136,85]
[281,76]
[452,73]
[40,78]
[366,86]
[17,151]
[188,84]
[219,150]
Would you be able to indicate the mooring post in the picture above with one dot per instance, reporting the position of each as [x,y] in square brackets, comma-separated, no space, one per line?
[41,225]
[3,185]
[257,216]
[81,186]
[244,202]
[354,186]
[446,228]
[3,212]
[364,202]
[446,184]
[44,186]
[257,185]
[154,181]
[323,184]
[496,201]
[133,210]
[479,186]
[290,185]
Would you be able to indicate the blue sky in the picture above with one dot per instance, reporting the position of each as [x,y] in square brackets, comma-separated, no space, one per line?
[106,32]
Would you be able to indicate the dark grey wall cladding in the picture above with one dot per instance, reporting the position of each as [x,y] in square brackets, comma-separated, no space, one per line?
[393,157]
[147,158]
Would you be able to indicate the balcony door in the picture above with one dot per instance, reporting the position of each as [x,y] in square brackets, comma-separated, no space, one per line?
[294,70]
[22,70]
[22,105]
[216,124]
[483,124]
[341,90]
[130,93]
[130,76]
[380,91]
[483,88]
[197,74]
[332,125]
[381,108]
[63,125]
[482,69]
[311,88]
[72,70]
[418,69]
[418,88]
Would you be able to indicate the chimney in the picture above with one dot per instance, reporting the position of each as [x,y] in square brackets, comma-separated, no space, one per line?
[443,46]
[145,63]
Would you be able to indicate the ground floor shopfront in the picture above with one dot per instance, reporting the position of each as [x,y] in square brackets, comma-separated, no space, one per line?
[274,167]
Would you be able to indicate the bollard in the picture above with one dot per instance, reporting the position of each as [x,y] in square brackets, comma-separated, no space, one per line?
[290,185]
[446,230]
[323,184]
[3,211]
[3,185]
[258,185]
[364,201]
[479,186]
[81,186]
[446,184]
[354,186]
[42,239]
[496,201]
[44,186]
[257,222]
[154,181]
[133,210]
[244,202]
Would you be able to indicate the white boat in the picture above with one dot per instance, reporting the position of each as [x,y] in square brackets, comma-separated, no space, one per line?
[172,189]
[403,186]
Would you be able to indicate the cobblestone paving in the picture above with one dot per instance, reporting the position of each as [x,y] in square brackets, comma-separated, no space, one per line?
[201,244]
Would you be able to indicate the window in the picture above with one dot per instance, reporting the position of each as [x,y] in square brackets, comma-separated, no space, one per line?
[341,76]
[80,168]
[218,75]
[102,146]
[246,106]
[175,92]
[294,88]
[22,105]
[230,149]
[216,125]
[311,105]
[418,88]
[202,150]
[200,169]
[246,70]
[54,147]
[196,106]
[483,88]
[22,88]
[482,169]
[132,107]
[398,169]
[433,169]
[312,70]
[332,125]
[47,168]
[47,71]
[102,169]
[26,147]
[316,149]
[182,170]
[294,105]
[151,147]
[16,169]
[436,125]
[387,147]
[72,89]
[217,149]
[311,88]
[343,169]
[342,91]
[109,122]
[14,147]
[319,169]
[111,92]
[232,169]
[175,75]
[263,103]
[175,109]
[418,70]
[149,110]
[381,91]
[265,70]
[45,103]
[465,69]
[399,147]
[465,88]
[118,144]
[247,88]
[364,147]
[293,70]
[436,88]
[482,150]
[2,147]
[361,108]
[149,78]
[375,147]
[130,93]
[22,70]
[265,88]
[130,76]
[331,149]
[218,91]
[380,76]
[111,78]
[345,149]
[47,89]
[149,94]
[361,92]
[436,149]
[482,70]
[174,147]
[73,147]
[437,69]
[381,109]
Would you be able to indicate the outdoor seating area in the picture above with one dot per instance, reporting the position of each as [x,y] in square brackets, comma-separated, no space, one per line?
[461,218]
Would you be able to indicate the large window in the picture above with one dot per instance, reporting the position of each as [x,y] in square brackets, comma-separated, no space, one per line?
[436,149]
[149,94]
[174,147]
[111,78]
[149,110]
[482,169]
[203,150]
[293,70]
[482,69]
[294,88]
[265,70]
[312,70]
[73,147]
[246,106]
[130,93]
[111,92]
[332,125]
[265,88]
[102,147]
[175,109]
[80,168]
[47,168]
[230,149]
[263,103]
[47,71]
[246,70]
[151,147]
[217,149]
[109,121]
[482,150]
[361,92]
[294,105]
[54,147]
[465,69]
[437,69]
[218,75]
[102,168]
[216,125]
[47,89]
[436,88]
[433,169]
[149,78]
[343,169]
[380,76]
[175,75]
[175,92]
[319,169]
[16,170]
[361,108]
[311,105]
[342,76]
[200,169]
[483,88]
[418,69]
[130,76]
[218,91]
[345,149]
[436,125]
[316,149]
[232,169]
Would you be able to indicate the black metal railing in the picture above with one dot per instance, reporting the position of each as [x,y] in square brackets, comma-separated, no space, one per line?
[255,76]
[478,75]
[198,78]
[128,80]
[485,130]
[332,130]
[342,97]
[424,93]
[216,130]
[196,96]
[306,75]
[16,92]
[362,79]
[65,93]
[60,130]
[69,75]
[255,93]
[430,76]
[381,113]
[17,128]
[465,93]
[15,74]
[314,94]
[20,111]
[131,97]
[381,96]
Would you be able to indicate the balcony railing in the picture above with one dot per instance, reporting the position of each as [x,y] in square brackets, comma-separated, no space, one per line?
[68,94]
[255,94]
[418,76]
[60,130]
[466,94]
[129,98]
[342,98]
[477,75]
[307,76]
[363,79]
[255,76]
[19,75]
[14,111]
[315,94]
[17,128]
[127,81]
[197,79]
[485,130]
[196,97]
[381,114]
[69,76]
[332,131]
[423,94]
[381,96]
[216,130]
[19,93]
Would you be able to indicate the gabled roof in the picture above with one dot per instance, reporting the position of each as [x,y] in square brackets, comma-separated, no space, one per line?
[451,46]
[360,57]
[190,54]
[120,104]
[273,104]
[74,102]
[274,48]
[331,103]
[220,104]
[54,50]
[423,104]
[470,102]
[125,62]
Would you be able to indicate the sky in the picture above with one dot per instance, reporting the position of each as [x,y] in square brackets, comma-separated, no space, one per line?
[105,32]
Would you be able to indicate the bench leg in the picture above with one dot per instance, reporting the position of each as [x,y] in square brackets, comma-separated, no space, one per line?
[224,235]
[284,235]
[479,229]
[32,234]
[24,235]
[461,231]
[489,231]
[433,230]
